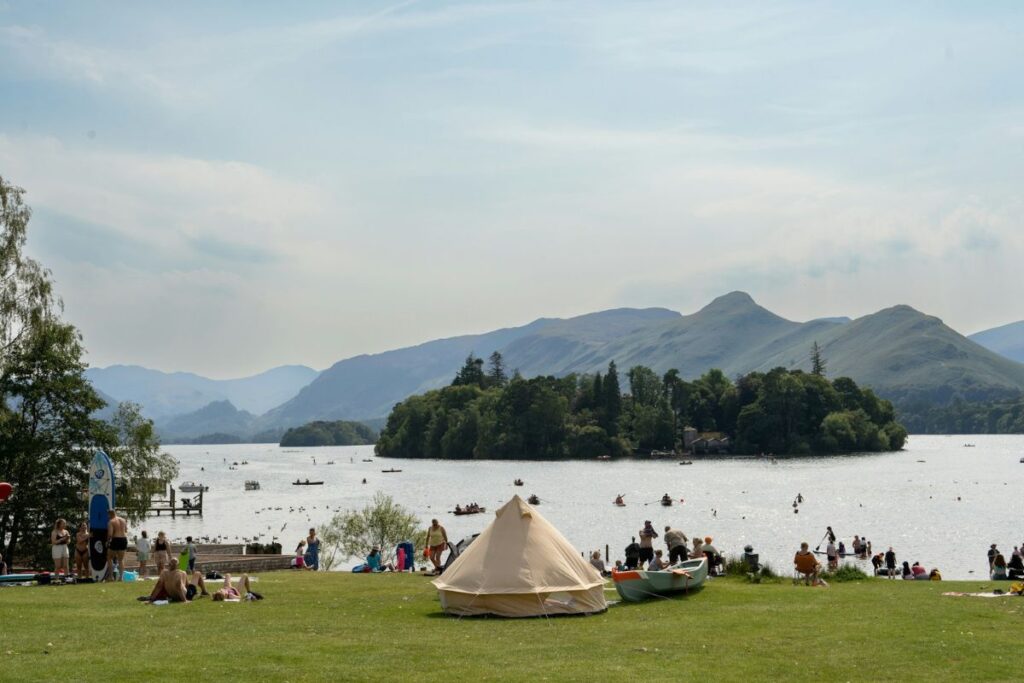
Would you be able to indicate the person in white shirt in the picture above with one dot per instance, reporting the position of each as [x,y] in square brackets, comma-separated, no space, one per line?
[142,549]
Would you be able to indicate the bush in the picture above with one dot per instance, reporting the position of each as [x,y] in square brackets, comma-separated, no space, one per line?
[383,522]
[263,549]
[737,566]
[847,572]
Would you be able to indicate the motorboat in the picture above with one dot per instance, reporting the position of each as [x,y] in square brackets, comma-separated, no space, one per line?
[192,487]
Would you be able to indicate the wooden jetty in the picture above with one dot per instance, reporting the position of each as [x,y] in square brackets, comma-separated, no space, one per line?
[173,503]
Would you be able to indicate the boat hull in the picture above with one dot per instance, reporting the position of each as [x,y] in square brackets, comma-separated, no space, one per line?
[639,585]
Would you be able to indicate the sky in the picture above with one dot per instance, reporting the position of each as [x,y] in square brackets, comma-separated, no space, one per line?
[226,187]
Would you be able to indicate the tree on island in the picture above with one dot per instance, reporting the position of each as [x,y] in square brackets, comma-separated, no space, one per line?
[817,361]
[496,371]
[471,373]
[48,428]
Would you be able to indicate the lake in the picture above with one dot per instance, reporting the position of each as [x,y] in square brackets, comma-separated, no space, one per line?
[936,502]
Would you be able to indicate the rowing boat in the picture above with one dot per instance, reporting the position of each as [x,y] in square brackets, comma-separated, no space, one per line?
[474,511]
[635,585]
[307,483]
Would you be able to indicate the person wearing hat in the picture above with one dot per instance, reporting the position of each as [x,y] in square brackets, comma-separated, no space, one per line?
[374,562]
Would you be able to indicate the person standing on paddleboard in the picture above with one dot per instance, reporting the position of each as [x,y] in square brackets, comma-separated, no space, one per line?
[117,532]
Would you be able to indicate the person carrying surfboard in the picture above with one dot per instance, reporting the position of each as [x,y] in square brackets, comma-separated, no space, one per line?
[117,532]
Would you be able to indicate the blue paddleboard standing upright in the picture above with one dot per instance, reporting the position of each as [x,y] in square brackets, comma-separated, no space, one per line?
[101,502]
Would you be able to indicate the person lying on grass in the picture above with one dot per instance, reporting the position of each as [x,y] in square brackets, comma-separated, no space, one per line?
[232,593]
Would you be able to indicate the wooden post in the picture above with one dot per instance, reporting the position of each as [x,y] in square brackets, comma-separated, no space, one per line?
[607,558]
[172,502]
[200,503]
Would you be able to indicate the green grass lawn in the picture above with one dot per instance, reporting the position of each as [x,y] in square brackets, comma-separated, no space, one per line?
[360,627]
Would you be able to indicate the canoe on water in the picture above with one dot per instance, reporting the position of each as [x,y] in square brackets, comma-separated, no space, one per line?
[637,585]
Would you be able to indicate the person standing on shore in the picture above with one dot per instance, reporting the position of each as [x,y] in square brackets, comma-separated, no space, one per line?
[632,554]
[675,540]
[890,563]
[117,532]
[312,550]
[992,552]
[647,536]
[161,552]
[60,537]
[437,541]
[142,550]
[82,549]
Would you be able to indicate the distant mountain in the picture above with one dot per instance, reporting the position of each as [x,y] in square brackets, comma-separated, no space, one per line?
[163,394]
[368,386]
[1007,340]
[903,354]
[218,417]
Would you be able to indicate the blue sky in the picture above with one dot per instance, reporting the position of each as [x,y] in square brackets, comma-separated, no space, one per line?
[223,189]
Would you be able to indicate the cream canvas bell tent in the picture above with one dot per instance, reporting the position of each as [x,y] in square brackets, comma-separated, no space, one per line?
[520,566]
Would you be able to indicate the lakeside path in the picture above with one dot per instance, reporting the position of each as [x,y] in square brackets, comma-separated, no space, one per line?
[334,626]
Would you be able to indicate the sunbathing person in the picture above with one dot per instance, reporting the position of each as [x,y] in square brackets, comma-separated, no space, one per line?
[174,585]
[231,592]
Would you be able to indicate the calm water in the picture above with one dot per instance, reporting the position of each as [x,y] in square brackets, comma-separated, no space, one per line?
[942,512]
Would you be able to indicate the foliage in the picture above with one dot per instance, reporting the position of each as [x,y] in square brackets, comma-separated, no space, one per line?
[338,433]
[960,417]
[142,469]
[846,572]
[781,411]
[383,522]
[818,363]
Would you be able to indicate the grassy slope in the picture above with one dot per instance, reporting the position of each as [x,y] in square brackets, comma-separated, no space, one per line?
[357,627]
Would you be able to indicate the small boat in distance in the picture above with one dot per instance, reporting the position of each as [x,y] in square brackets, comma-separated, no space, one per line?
[192,487]
[1022,459]
[517,482]
[618,501]
[604,457]
[252,485]
[367,459]
[685,462]
[468,510]
[390,471]
[533,499]
[307,483]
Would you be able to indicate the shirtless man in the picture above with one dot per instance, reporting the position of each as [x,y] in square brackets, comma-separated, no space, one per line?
[174,585]
[117,532]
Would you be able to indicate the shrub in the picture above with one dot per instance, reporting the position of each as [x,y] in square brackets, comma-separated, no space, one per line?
[847,572]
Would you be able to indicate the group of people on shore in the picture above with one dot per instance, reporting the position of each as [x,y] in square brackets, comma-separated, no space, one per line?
[1001,570]
[158,550]
[307,553]
[643,555]
[175,585]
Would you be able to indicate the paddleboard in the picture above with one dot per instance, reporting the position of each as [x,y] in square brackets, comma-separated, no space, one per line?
[101,501]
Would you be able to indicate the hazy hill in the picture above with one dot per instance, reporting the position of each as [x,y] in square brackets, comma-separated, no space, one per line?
[905,355]
[369,385]
[165,394]
[217,417]
[1007,340]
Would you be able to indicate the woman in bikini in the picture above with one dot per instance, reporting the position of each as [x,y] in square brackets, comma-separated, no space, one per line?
[82,549]
[161,552]
[230,592]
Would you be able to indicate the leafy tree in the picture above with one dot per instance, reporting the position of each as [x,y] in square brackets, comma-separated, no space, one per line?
[141,468]
[645,386]
[817,361]
[383,522]
[471,373]
[26,293]
[48,431]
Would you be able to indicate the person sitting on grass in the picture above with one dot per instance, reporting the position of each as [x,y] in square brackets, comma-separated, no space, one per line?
[908,575]
[917,570]
[808,566]
[714,557]
[999,568]
[1015,569]
[935,575]
[375,563]
[597,563]
[174,585]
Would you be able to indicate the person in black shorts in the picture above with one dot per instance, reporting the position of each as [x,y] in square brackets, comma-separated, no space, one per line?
[632,554]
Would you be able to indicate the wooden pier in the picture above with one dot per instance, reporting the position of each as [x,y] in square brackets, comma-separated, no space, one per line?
[174,504]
